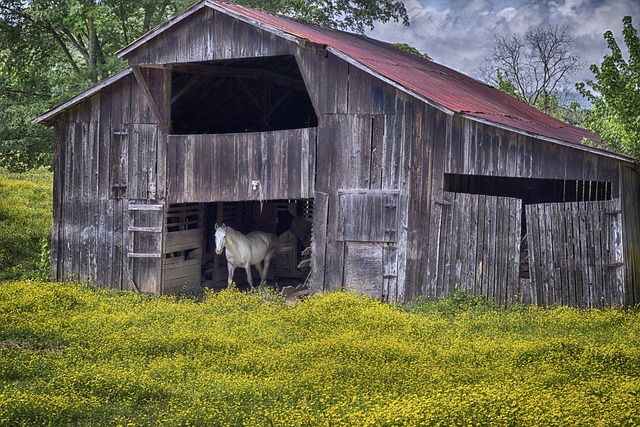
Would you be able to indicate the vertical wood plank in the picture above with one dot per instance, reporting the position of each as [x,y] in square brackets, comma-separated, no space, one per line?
[390,272]
[377,152]
[364,269]
[319,241]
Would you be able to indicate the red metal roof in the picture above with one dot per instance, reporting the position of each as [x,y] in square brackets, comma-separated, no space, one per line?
[441,85]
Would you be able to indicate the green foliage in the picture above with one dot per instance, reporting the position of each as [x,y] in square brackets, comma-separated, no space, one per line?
[354,15]
[615,93]
[74,355]
[412,50]
[52,49]
[451,305]
[505,85]
[22,145]
[25,224]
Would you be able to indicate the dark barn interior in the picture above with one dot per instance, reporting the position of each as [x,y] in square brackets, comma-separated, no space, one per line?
[290,220]
[242,95]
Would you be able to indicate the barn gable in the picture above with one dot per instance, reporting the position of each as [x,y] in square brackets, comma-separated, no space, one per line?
[403,177]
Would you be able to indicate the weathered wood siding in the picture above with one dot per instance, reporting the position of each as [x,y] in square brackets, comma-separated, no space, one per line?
[630,198]
[361,143]
[208,35]
[236,167]
[106,156]
[575,252]
[368,216]
[477,248]
[480,149]
[430,133]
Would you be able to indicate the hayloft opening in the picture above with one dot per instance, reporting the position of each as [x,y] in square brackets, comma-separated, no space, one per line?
[240,95]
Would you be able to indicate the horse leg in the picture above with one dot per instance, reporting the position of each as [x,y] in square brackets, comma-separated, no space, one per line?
[265,268]
[260,272]
[230,267]
[249,278]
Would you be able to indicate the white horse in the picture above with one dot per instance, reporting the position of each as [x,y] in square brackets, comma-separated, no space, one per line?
[255,248]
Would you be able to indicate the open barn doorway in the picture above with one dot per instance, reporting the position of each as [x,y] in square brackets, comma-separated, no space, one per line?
[531,192]
[290,220]
[566,235]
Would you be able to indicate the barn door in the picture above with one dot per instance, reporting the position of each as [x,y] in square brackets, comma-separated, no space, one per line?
[370,269]
[479,246]
[369,230]
[575,253]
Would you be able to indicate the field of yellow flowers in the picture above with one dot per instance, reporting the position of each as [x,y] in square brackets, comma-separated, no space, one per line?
[74,355]
[25,224]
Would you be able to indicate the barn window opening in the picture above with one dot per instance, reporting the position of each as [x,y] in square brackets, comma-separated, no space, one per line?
[530,191]
[240,95]
[290,220]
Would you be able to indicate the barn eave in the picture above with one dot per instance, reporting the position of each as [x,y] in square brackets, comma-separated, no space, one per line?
[50,116]
[583,147]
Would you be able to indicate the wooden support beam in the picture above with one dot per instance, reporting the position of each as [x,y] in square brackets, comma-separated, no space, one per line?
[235,72]
[162,122]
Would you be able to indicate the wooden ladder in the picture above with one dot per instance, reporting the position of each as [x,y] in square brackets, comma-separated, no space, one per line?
[140,212]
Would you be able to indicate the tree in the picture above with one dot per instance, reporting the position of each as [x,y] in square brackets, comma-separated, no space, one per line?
[354,15]
[82,33]
[534,67]
[615,94]
[412,50]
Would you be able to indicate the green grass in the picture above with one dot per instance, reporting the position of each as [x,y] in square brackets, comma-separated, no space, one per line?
[25,224]
[74,355]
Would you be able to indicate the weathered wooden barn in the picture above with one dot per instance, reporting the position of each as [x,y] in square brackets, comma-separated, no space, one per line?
[406,178]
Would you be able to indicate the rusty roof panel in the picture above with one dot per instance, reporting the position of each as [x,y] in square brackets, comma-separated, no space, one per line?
[437,83]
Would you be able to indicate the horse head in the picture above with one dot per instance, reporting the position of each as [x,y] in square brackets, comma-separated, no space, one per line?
[221,236]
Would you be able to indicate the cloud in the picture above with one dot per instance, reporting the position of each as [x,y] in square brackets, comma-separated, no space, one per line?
[460,33]
[507,13]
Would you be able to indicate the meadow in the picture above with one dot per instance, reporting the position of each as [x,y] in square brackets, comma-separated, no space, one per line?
[25,224]
[72,355]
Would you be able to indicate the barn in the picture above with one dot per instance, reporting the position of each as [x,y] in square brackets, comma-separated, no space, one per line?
[401,177]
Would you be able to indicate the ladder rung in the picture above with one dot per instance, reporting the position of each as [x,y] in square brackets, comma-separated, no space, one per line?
[146,229]
[146,207]
[143,255]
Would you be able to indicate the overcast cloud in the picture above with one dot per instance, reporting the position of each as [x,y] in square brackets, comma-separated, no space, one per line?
[460,33]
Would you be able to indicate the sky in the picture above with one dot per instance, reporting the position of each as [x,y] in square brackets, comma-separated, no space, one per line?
[460,33]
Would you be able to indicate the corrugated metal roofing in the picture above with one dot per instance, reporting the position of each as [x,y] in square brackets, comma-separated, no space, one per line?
[441,85]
